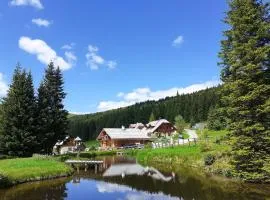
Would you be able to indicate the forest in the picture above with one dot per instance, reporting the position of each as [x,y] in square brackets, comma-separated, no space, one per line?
[193,107]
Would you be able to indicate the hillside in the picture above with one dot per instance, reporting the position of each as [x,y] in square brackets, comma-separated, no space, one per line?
[193,107]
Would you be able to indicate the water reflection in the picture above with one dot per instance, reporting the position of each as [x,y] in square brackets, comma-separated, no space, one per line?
[136,169]
[123,178]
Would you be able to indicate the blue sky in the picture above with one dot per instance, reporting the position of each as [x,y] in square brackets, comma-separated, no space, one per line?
[114,53]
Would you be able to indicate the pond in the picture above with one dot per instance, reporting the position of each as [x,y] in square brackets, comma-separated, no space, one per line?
[122,178]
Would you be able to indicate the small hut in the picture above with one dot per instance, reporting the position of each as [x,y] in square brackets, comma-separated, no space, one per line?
[68,145]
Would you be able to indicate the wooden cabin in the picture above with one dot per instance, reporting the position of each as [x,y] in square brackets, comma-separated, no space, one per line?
[160,127]
[112,138]
[68,145]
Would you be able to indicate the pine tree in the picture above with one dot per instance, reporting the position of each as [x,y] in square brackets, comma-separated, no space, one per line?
[52,116]
[245,55]
[18,116]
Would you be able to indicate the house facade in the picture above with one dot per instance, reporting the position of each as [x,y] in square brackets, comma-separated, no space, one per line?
[112,138]
[161,127]
[138,133]
[68,145]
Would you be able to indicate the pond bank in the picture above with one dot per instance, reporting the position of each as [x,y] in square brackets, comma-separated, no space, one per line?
[212,154]
[21,170]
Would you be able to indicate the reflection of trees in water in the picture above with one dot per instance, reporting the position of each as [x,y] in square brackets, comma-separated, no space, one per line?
[187,185]
[190,189]
[52,189]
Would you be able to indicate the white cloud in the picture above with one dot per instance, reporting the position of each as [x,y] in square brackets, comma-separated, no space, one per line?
[120,94]
[144,94]
[178,41]
[78,113]
[35,3]
[111,64]
[104,187]
[71,58]
[41,22]
[149,196]
[95,61]
[3,86]
[45,54]
[68,46]
[130,193]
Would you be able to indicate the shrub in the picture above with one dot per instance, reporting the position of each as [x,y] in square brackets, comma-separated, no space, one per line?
[2,157]
[205,146]
[4,181]
[209,159]
[63,158]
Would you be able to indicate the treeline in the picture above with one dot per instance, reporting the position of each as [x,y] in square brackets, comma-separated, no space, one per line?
[192,107]
[33,123]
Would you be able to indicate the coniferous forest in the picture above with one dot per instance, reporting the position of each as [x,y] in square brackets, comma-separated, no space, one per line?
[33,123]
[193,107]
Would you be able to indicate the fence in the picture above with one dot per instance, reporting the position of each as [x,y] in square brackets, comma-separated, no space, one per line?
[174,143]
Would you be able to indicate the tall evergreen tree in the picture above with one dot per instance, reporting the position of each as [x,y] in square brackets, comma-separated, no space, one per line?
[18,116]
[245,55]
[52,116]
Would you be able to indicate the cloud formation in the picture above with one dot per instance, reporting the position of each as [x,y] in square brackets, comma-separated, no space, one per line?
[68,46]
[34,3]
[3,86]
[41,22]
[130,193]
[95,61]
[44,53]
[144,94]
[178,41]
[71,58]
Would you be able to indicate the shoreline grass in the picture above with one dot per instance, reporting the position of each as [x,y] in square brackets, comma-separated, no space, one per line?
[210,154]
[20,170]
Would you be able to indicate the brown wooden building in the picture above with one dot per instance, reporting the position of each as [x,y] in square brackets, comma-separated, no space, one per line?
[161,127]
[111,138]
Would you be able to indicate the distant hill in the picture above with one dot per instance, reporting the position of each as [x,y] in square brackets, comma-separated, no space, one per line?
[193,107]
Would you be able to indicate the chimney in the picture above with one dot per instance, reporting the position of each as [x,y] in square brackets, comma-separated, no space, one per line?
[123,127]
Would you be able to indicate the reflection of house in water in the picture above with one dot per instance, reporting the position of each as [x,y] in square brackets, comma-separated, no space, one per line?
[135,169]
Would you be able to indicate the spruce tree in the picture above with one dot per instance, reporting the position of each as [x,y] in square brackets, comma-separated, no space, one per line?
[52,116]
[245,55]
[18,116]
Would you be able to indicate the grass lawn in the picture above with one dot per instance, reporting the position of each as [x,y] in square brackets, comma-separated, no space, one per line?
[193,155]
[25,169]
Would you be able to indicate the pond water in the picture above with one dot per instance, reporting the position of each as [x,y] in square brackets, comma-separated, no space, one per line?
[122,178]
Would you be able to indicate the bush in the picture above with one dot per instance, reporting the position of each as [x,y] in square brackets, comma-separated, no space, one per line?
[2,157]
[4,181]
[209,159]
[63,158]
[205,146]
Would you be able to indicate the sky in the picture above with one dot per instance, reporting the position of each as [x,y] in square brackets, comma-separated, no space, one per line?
[114,53]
